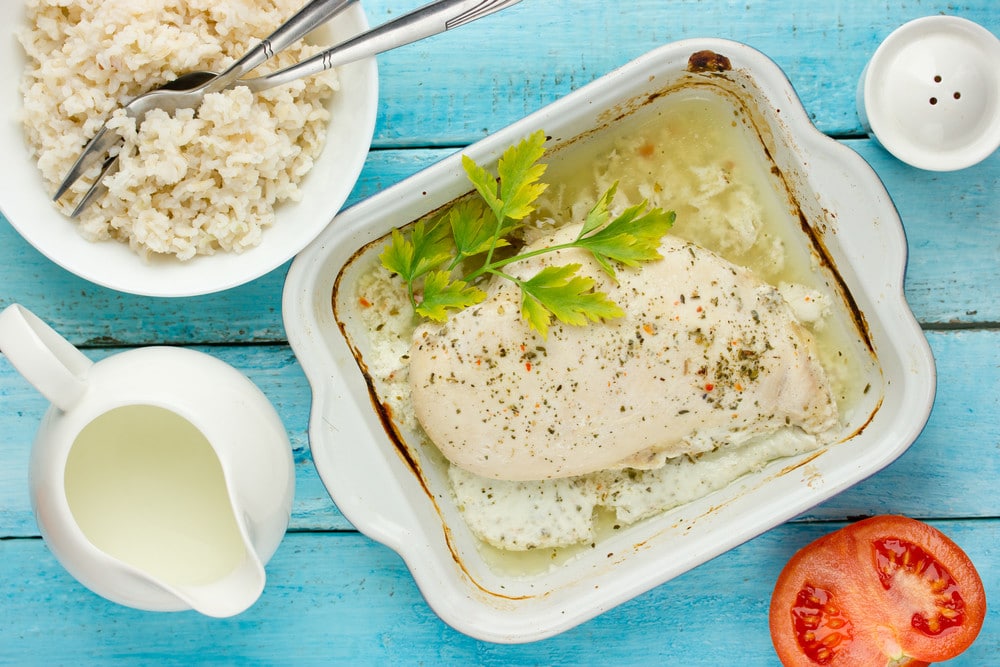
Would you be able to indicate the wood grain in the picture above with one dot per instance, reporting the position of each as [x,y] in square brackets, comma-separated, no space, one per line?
[335,596]
[944,232]
[956,451]
[340,598]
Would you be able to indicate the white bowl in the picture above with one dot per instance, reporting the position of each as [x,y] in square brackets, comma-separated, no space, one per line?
[25,201]
[396,495]
[930,94]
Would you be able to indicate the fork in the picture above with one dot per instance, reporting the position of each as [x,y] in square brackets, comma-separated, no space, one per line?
[430,19]
[198,84]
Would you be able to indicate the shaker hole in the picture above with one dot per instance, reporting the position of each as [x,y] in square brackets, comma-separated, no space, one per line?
[937,78]
[933,101]
[957,95]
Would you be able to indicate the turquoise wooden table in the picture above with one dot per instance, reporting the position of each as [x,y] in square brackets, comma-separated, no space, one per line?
[332,594]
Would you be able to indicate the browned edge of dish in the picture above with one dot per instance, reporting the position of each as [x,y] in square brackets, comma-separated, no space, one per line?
[705,69]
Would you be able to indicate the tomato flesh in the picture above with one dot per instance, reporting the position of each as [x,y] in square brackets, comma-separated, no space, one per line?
[893,556]
[819,626]
[888,590]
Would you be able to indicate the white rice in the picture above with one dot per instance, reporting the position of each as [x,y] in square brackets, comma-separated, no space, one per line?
[201,182]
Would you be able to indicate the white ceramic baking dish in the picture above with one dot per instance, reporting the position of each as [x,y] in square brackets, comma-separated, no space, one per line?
[394,494]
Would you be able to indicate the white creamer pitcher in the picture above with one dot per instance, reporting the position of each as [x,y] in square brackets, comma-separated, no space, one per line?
[161,477]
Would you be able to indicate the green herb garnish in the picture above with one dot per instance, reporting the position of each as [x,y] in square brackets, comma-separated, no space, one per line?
[442,262]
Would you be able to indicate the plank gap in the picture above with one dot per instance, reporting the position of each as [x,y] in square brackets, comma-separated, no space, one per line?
[960,326]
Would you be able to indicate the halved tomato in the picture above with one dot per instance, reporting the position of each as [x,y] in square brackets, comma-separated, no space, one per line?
[888,590]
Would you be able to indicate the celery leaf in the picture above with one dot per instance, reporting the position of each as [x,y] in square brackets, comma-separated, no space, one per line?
[441,294]
[631,238]
[558,291]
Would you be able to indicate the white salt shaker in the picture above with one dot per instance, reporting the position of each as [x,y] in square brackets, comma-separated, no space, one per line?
[930,94]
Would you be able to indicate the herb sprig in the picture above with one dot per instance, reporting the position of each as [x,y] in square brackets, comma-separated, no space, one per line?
[442,262]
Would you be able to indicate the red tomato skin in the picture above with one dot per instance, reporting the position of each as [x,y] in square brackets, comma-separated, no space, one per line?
[879,628]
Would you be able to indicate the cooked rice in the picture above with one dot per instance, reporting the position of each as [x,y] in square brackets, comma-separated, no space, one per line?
[192,184]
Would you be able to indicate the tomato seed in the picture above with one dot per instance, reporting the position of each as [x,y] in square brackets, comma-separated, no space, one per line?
[819,625]
[950,607]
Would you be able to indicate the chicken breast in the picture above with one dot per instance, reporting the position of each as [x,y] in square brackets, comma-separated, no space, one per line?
[706,355]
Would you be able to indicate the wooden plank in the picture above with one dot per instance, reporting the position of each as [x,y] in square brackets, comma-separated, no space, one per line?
[423,103]
[951,467]
[954,458]
[340,597]
[953,242]
[95,316]
[950,220]
[273,368]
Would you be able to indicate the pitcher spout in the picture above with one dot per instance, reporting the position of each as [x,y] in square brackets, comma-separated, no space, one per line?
[230,595]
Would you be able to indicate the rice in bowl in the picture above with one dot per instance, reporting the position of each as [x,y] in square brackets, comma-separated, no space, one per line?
[202,181]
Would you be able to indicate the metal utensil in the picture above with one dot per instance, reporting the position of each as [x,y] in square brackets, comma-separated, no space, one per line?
[431,19]
[188,90]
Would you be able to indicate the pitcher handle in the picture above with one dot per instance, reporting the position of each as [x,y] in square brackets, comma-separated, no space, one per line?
[47,360]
